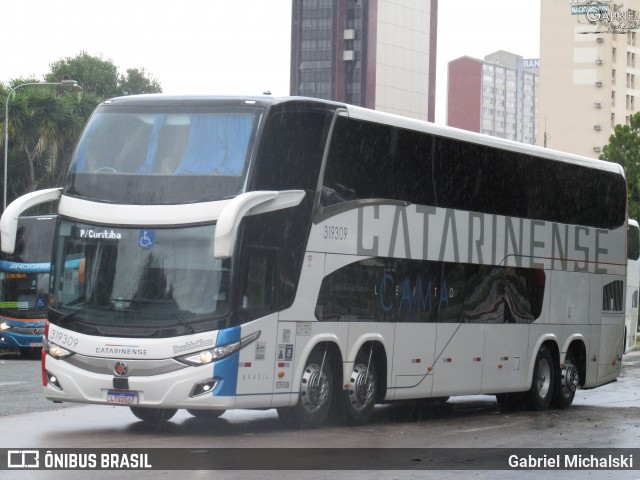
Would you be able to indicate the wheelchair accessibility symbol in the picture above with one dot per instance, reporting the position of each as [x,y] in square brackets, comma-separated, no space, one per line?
[146,238]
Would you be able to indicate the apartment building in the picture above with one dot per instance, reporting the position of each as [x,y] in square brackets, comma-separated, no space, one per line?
[379,54]
[496,96]
[589,72]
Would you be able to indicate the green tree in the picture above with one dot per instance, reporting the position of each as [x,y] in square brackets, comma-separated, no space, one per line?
[45,121]
[624,148]
[41,123]
[137,81]
[101,77]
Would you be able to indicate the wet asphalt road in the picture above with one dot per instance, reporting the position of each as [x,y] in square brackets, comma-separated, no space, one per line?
[608,416]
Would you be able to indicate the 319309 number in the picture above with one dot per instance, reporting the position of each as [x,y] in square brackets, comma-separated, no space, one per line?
[332,232]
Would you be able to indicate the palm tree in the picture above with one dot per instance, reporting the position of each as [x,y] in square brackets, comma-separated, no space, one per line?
[43,127]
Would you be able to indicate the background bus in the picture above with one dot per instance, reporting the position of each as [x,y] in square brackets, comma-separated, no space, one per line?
[24,285]
[633,285]
[215,253]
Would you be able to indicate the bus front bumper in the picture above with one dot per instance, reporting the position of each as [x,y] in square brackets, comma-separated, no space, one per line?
[184,387]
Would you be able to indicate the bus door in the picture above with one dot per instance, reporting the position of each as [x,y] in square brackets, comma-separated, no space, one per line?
[607,328]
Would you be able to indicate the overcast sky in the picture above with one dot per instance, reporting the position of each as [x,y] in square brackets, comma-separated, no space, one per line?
[225,46]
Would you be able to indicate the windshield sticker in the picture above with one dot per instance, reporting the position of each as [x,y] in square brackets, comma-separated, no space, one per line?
[102,234]
[146,239]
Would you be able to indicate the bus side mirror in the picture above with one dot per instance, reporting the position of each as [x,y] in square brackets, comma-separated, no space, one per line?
[248,203]
[9,220]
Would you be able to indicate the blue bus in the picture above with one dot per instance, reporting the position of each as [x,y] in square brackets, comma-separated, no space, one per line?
[24,286]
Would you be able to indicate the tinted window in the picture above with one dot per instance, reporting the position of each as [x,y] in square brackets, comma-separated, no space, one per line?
[291,150]
[400,290]
[374,161]
[269,260]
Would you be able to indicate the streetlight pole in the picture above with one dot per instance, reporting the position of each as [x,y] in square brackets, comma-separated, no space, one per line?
[6,125]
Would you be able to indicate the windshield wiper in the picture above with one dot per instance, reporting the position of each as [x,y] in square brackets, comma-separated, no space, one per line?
[68,316]
[172,304]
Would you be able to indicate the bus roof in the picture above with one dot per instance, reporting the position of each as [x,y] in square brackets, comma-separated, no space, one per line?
[366,114]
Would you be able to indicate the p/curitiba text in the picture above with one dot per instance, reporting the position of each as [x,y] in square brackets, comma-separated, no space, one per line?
[573,461]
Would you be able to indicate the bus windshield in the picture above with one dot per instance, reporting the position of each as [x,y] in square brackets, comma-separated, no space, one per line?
[124,281]
[23,294]
[163,155]
[24,275]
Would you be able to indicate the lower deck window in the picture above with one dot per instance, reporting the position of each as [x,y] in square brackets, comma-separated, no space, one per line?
[401,290]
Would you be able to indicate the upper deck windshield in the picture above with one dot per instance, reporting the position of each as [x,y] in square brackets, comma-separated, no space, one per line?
[138,282]
[163,154]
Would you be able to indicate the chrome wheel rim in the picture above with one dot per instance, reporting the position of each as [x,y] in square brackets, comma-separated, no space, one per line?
[543,381]
[363,387]
[570,378]
[314,390]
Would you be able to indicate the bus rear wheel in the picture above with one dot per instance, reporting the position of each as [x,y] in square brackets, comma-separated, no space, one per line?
[543,382]
[568,382]
[317,389]
[155,416]
[360,398]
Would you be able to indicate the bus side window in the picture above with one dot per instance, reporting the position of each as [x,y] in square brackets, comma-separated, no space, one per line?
[260,279]
[293,145]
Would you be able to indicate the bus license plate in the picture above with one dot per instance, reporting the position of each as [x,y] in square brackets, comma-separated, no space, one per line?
[122,398]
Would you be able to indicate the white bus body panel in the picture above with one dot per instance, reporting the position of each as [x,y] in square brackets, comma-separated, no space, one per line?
[414,353]
[458,368]
[632,295]
[505,358]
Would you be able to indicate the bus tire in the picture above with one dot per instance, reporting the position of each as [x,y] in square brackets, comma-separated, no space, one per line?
[207,414]
[543,381]
[156,416]
[568,382]
[360,398]
[317,389]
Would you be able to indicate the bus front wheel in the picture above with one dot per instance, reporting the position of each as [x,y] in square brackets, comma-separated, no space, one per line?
[543,382]
[317,389]
[154,416]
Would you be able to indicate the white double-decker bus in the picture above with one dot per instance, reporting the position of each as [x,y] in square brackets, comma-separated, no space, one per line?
[633,285]
[319,258]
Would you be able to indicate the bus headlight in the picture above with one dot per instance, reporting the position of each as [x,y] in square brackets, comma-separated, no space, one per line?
[5,326]
[210,355]
[56,351]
